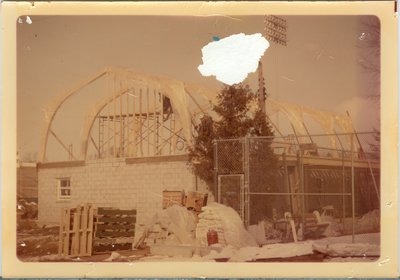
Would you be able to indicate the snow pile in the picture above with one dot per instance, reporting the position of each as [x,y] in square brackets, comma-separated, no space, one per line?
[272,251]
[114,256]
[245,254]
[226,253]
[334,228]
[226,222]
[367,244]
[176,224]
[258,232]
[348,249]
[181,222]
[285,250]
[265,233]
[370,222]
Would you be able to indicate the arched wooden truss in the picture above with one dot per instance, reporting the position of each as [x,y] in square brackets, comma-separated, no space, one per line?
[328,121]
[141,116]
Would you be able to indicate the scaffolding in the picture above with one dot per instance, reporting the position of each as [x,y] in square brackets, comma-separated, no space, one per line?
[139,116]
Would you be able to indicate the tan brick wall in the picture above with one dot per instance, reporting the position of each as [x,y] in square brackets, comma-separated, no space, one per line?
[113,183]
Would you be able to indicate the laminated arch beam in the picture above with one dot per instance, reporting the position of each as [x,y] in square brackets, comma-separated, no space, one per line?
[326,120]
[53,108]
[175,90]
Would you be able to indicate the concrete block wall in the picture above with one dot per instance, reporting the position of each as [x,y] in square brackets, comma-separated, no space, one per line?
[113,183]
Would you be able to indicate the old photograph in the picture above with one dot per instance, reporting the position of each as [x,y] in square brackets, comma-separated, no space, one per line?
[198,138]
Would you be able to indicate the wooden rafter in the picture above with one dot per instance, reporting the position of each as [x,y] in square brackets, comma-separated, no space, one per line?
[53,109]
[69,151]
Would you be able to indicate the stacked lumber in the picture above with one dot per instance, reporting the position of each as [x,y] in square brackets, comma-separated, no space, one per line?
[76,231]
[191,200]
[114,229]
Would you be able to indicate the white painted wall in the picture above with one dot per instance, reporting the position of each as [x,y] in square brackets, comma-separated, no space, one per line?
[113,183]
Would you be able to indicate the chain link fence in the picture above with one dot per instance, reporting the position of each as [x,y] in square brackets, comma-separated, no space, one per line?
[264,178]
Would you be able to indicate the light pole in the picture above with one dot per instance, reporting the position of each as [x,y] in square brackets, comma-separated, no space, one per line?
[275,32]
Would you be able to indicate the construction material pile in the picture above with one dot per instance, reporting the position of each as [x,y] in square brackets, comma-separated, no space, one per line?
[191,200]
[265,233]
[369,222]
[174,225]
[27,210]
[226,222]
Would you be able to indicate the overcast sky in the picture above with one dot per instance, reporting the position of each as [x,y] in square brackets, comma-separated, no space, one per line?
[318,68]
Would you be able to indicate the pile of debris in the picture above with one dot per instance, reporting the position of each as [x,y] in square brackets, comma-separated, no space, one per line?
[27,210]
[227,223]
[174,225]
[368,223]
[179,231]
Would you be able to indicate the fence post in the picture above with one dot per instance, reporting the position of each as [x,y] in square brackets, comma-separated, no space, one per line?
[215,192]
[302,190]
[287,182]
[343,189]
[246,157]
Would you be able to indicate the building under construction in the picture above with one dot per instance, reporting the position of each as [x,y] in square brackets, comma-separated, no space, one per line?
[128,143]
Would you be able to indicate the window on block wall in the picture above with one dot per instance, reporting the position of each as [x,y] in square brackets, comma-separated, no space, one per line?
[63,188]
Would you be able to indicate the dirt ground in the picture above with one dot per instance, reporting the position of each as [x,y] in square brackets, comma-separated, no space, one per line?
[36,243]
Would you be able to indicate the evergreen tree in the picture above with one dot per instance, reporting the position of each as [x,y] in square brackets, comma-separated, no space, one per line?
[233,105]
[235,120]
[201,151]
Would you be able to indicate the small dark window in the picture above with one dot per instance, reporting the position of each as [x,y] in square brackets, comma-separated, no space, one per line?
[63,188]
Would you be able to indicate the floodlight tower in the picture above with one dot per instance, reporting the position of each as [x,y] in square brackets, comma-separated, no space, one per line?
[275,32]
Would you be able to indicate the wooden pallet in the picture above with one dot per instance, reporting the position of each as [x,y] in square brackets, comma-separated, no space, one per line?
[76,231]
[114,229]
[172,198]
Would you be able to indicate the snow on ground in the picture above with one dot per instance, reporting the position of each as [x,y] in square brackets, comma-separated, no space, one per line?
[370,222]
[286,250]
[251,253]
[370,238]
[365,245]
